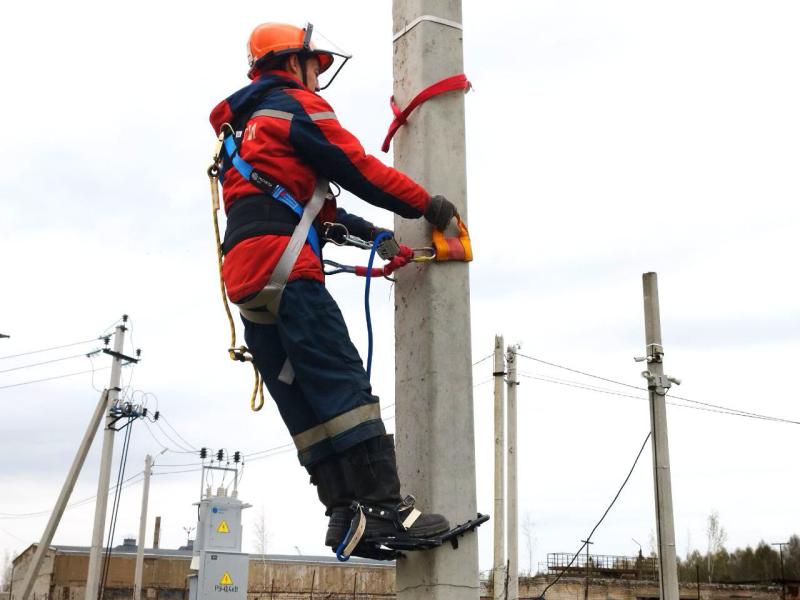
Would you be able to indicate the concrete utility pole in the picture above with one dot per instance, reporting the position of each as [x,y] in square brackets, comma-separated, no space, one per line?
[433,384]
[157,533]
[658,384]
[137,580]
[63,498]
[499,470]
[513,526]
[101,502]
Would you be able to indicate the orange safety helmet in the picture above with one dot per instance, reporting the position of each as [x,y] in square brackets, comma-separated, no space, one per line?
[271,40]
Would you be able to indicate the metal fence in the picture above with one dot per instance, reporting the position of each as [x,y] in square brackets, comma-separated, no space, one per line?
[602,565]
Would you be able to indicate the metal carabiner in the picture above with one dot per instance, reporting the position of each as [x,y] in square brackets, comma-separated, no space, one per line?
[337,268]
[344,238]
[329,228]
[426,254]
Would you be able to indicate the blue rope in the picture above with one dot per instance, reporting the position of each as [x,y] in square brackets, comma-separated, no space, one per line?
[380,237]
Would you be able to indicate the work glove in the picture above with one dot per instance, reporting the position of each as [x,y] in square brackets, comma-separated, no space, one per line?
[388,247]
[439,212]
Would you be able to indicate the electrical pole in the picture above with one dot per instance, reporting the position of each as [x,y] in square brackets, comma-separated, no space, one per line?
[513,527]
[658,384]
[433,383]
[157,533]
[588,561]
[101,502]
[783,575]
[63,498]
[499,468]
[137,581]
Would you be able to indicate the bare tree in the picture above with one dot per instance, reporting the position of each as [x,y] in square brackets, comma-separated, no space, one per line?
[651,541]
[716,536]
[530,540]
[261,536]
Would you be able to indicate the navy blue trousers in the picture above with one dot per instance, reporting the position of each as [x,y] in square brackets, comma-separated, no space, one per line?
[328,406]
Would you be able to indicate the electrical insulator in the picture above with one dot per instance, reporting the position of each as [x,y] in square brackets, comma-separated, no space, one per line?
[156,415]
[203,453]
[237,456]
[219,455]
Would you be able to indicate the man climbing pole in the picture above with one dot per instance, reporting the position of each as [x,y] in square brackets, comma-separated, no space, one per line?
[282,145]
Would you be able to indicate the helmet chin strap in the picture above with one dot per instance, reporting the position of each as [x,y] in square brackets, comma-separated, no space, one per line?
[301,57]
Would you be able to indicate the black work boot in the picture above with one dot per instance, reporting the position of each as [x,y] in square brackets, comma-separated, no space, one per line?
[335,493]
[371,470]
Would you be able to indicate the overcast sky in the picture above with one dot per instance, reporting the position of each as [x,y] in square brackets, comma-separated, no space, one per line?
[605,139]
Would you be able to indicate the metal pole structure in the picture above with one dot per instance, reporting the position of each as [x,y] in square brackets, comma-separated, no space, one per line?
[512,522]
[137,580]
[101,503]
[499,469]
[588,562]
[783,575]
[63,497]
[433,354]
[658,385]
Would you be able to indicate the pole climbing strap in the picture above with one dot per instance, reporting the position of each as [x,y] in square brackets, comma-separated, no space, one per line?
[456,248]
[449,84]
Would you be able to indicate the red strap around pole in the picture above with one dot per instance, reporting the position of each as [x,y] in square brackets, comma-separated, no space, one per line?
[450,84]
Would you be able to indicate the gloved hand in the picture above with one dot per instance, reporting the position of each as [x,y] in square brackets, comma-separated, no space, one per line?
[388,247]
[439,212]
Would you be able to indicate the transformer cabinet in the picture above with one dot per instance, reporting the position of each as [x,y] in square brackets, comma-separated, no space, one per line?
[219,567]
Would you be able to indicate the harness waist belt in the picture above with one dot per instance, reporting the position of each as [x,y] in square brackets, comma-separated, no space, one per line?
[257,215]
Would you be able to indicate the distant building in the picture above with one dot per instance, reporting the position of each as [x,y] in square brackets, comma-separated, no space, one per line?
[290,577]
[63,575]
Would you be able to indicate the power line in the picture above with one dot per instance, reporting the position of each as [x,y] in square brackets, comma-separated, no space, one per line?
[125,484]
[171,439]
[710,407]
[589,537]
[51,348]
[485,358]
[3,387]
[192,446]
[721,410]
[45,362]
[584,373]
[160,443]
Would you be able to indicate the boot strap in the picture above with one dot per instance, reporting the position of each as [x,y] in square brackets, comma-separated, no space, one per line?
[404,515]
[412,517]
[353,535]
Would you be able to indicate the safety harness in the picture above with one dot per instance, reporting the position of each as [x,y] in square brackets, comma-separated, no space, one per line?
[263,306]
[267,214]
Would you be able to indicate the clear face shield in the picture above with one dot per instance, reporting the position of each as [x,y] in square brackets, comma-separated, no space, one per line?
[331,57]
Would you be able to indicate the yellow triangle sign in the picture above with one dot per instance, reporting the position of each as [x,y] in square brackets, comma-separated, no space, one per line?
[223,528]
[226,578]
